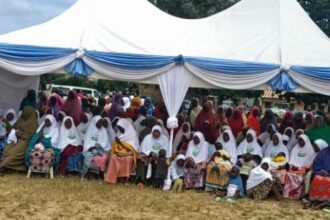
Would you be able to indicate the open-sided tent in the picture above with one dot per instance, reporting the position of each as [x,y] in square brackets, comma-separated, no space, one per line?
[253,44]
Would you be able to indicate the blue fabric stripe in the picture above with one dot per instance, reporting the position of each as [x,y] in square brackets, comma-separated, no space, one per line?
[231,66]
[283,81]
[78,67]
[130,61]
[32,53]
[317,72]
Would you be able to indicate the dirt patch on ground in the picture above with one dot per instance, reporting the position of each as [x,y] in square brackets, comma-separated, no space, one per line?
[70,198]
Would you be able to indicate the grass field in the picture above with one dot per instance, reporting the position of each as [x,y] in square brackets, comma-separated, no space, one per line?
[70,198]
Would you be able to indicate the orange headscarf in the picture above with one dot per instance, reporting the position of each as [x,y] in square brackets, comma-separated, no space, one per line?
[253,121]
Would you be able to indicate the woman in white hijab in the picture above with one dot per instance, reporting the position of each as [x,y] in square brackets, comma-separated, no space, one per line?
[301,159]
[60,117]
[11,117]
[292,138]
[196,159]
[83,126]
[96,146]
[260,181]
[181,136]
[43,151]
[265,136]
[321,144]
[69,143]
[127,103]
[108,126]
[164,130]
[140,124]
[123,152]
[250,145]
[149,153]
[228,143]
[277,147]
[195,109]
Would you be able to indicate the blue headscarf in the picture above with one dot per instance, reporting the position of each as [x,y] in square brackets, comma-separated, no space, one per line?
[238,182]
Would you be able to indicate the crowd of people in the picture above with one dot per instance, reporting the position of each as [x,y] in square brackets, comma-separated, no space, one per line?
[222,151]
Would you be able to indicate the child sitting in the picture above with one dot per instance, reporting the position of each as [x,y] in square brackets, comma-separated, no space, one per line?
[235,188]
[176,171]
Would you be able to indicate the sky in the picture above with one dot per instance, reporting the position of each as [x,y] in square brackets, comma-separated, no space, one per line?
[17,14]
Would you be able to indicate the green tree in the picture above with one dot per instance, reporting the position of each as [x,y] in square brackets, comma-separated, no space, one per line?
[319,10]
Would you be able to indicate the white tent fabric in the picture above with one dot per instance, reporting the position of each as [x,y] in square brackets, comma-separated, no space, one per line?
[267,31]
[13,89]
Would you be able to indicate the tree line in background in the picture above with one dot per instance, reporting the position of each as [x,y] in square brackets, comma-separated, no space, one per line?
[319,11]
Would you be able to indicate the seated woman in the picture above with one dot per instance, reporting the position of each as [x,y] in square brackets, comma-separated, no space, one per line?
[176,173]
[181,137]
[195,164]
[10,119]
[250,145]
[123,152]
[110,131]
[217,172]
[292,139]
[275,147]
[148,153]
[69,143]
[301,159]
[228,143]
[42,153]
[83,126]
[320,186]
[260,181]
[96,147]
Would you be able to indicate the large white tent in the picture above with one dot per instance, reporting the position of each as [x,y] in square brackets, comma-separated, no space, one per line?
[253,44]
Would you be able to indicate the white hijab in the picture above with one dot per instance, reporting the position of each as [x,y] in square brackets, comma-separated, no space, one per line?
[82,127]
[111,132]
[68,136]
[13,121]
[252,147]
[258,175]
[151,144]
[265,136]
[51,132]
[230,146]
[302,156]
[96,136]
[59,123]
[137,124]
[164,130]
[127,103]
[198,152]
[175,171]
[321,144]
[273,150]
[129,135]
[292,140]
[179,135]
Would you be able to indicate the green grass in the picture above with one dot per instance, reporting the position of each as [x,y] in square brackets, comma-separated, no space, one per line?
[70,198]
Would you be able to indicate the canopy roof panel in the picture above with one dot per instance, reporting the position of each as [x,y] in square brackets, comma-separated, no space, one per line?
[270,31]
